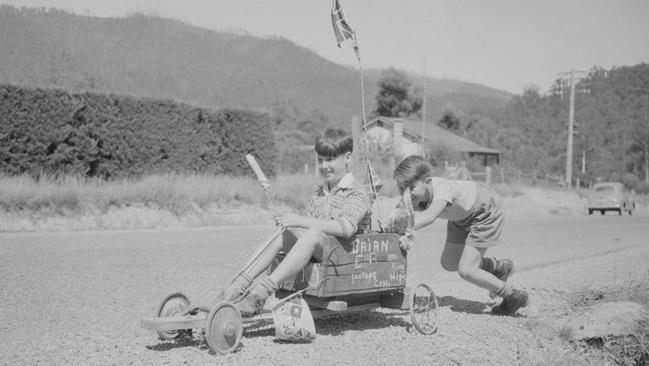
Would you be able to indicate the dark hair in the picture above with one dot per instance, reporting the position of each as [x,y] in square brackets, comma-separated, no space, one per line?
[410,170]
[334,142]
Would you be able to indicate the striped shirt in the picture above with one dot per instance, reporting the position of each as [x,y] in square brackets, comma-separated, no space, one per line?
[347,202]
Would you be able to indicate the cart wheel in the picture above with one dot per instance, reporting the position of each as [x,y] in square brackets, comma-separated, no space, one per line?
[173,305]
[423,309]
[224,328]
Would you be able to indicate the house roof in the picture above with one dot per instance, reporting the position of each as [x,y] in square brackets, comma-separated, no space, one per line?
[436,134]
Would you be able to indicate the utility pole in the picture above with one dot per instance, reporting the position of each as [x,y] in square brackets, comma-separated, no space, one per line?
[571,126]
[583,160]
[423,114]
[571,121]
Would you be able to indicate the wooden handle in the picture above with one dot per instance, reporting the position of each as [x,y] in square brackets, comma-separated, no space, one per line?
[258,172]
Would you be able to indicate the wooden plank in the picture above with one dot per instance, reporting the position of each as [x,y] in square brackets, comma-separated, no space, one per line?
[320,313]
[343,285]
[333,305]
[173,323]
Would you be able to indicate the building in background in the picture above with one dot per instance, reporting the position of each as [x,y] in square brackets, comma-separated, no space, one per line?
[405,135]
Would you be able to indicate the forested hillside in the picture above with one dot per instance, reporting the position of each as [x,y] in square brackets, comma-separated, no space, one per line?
[611,139]
[162,58]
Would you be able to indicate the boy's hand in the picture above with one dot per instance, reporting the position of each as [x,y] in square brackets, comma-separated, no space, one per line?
[407,241]
[289,220]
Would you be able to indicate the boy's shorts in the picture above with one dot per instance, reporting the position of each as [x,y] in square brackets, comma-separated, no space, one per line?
[483,226]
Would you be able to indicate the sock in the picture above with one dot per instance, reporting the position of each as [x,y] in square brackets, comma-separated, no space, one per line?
[505,291]
[488,264]
[237,287]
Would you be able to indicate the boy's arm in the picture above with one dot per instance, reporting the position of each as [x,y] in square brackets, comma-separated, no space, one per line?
[430,215]
[346,225]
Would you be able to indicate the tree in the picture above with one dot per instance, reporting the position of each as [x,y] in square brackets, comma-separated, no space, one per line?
[396,97]
[449,120]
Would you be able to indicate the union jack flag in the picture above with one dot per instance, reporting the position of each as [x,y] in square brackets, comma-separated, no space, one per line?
[342,30]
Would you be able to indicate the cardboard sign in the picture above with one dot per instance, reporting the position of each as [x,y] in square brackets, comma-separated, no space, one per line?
[293,320]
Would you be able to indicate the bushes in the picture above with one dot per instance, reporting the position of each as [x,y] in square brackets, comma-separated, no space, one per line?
[48,131]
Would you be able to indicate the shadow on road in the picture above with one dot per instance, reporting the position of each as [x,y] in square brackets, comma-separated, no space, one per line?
[463,306]
[186,341]
[338,324]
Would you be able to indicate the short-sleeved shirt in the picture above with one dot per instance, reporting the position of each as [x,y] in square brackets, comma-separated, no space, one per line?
[347,202]
[461,195]
[474,211]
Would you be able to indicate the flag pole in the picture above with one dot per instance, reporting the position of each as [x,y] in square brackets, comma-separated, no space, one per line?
[343,31]
[365,139]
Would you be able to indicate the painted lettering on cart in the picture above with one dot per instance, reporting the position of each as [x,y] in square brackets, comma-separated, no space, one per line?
[360,246]
[364,276]
[398,277]
[377,263]
[368,258]
[398,272]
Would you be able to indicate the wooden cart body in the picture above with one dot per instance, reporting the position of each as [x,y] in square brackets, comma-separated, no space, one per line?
[369,268]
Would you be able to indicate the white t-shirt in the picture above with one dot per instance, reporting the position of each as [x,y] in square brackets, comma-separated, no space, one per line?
[460,195]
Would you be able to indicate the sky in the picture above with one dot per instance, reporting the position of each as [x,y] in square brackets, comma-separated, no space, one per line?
[505,44]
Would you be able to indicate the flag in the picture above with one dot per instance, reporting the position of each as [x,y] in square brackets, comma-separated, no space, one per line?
[342,30]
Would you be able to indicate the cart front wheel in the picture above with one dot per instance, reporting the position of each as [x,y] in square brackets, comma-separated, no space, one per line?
[175,304]
[423,309]
[224,328]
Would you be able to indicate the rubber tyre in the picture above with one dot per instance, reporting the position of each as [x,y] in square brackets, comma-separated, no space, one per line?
[224,328]
[175,304]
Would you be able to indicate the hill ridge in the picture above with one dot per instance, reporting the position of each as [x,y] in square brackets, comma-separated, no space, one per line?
[150,56]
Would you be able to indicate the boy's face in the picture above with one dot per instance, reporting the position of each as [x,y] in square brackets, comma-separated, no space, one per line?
[419,195]
[332,169]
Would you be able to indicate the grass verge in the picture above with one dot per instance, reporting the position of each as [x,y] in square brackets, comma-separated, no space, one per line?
[172,192]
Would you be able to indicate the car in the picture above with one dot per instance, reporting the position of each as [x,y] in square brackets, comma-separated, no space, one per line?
[610,196]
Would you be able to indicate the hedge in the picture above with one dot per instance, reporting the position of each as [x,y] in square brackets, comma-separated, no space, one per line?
[53,132]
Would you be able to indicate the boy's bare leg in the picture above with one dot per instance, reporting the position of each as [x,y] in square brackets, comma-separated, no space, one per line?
[299,256]
[469,268]
[451,255]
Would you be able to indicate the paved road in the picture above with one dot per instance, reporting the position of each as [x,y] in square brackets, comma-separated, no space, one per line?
[77,297]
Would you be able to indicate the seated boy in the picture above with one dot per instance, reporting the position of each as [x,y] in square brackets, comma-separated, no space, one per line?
[340,206]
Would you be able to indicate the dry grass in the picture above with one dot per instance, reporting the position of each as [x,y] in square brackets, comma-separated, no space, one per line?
[172,192]
[621,350]
[557,347]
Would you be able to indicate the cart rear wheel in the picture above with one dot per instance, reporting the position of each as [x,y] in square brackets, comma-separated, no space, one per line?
[423,309]
[175,304]
[224,328]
